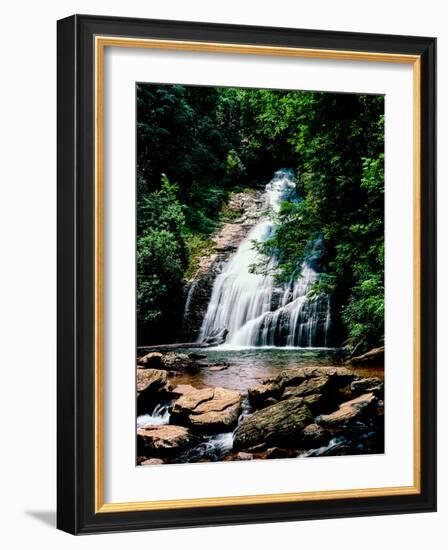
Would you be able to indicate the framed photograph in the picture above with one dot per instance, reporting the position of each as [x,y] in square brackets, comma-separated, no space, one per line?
[246,274]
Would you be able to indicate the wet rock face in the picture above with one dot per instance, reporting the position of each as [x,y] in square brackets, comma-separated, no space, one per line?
[279,425]
[207,410]
[163,440]
[245,210]
[197,295]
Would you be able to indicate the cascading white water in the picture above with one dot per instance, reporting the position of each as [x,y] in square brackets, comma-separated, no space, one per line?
[256,310]
[160,415]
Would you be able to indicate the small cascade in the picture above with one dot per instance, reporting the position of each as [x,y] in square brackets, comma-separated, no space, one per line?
[160,415]
[190,293]
[254,308]
[212,448]
[298,322]
[215,447]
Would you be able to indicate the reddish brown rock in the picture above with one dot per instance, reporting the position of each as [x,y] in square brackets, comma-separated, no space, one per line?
[244,456]
[152,388]
[164,440]
[243,210]
[349,411]
[182,389]
[152,380]
[151,360]
[152,462]
[190,399]
[208,409]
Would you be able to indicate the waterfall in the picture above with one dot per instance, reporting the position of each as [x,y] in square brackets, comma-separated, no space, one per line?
[254,308]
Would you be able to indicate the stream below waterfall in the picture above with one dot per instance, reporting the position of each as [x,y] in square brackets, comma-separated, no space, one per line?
[244,369]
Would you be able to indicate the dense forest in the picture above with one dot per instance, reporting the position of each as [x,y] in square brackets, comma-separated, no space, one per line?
[196,145]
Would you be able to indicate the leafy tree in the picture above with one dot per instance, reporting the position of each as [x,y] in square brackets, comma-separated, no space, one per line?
[339,141]
[161,261]
[211,141]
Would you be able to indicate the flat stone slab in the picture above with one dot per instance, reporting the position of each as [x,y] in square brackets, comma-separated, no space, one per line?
[349,411]
[151,380]
[164,440]
[207,409]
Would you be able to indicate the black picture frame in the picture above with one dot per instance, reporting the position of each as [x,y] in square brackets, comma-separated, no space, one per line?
[76,512]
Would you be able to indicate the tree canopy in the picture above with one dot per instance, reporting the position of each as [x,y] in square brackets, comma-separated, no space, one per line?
[197,144]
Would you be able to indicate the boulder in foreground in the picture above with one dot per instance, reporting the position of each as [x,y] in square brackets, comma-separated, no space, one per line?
[152,360]
[152,387]
[152,380]
[208,409]
[163,440]
[349,412]
[278,425]
[316,384]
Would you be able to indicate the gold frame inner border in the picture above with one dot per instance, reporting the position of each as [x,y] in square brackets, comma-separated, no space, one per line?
[101,42]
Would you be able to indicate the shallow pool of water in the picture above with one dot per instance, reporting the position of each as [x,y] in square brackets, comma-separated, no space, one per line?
[248,367]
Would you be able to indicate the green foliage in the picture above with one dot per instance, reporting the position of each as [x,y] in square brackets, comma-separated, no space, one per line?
[203,204]
[160,270]
[235,168]
[339,140]
[161,257]
[198,246]
[180,133]
[213,141]
[364,313]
